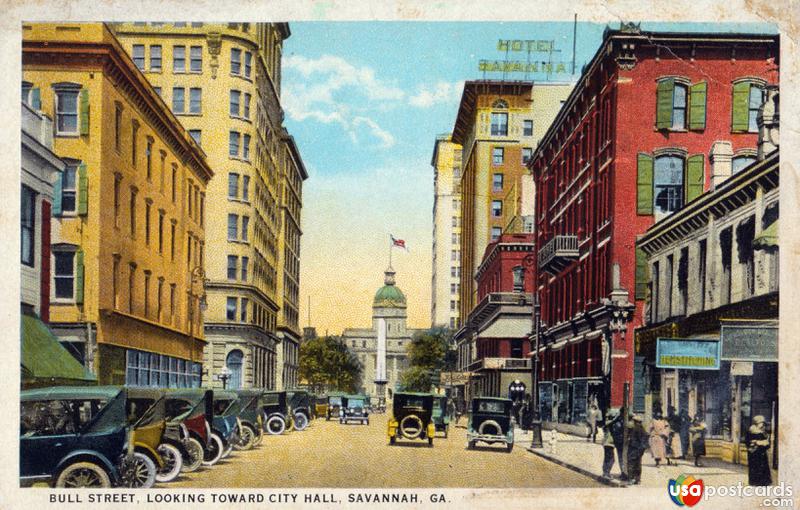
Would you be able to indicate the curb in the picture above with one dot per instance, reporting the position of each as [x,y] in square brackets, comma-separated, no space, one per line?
[596,477]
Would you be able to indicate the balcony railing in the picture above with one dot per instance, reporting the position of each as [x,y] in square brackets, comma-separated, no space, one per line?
[558,253]
[500,364]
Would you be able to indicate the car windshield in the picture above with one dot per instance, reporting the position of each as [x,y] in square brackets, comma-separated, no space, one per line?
[178,409]
[354,402]
[335,401]
[220,406]
[489,406]
[414,402]
[57,417]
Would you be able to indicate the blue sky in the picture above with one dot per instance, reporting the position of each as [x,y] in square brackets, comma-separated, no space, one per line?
[365,101]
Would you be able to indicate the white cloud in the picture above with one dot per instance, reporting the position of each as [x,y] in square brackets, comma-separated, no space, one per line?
[385,137]
[441,92]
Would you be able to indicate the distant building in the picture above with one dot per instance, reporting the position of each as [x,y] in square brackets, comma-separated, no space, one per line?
[446,249]
[309,333]
[382,349]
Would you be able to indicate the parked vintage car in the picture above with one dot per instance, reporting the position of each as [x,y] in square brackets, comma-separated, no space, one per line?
[225,422]
[300,402]
[441,418]
[411,417]
[354,408]
[490,422]
[188,413]
[74,436]
[334,405]
[251,423]
[146,411]
[321,406]
[276,412]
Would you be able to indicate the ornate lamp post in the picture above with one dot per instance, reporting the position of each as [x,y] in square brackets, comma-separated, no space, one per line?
[198,276]
[224,375]
[536,423]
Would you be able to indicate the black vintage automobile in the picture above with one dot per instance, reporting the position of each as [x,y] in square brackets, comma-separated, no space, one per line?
[334,405]
[225,423]
[354,408]
[251,422]
[301,403]
[188,413]
[490,422]
[276,412]
[441,418]
[74,436]
[411,417]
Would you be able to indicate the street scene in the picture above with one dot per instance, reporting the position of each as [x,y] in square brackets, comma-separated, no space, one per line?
[452,255]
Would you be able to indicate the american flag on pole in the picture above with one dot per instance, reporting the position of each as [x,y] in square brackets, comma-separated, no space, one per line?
[398,243]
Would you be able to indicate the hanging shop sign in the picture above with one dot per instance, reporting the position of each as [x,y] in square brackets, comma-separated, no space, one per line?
[750,342]
[688,353]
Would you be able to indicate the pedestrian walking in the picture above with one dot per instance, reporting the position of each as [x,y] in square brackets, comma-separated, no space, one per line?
[659,435]
[674,446]
[526,412]
[612,418]
[697,434]
[593,418]
[758,472]
[451,409]
[617,430]
[683,429]
[637,445]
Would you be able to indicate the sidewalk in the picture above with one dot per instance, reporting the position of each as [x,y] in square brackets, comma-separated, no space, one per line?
[576,453]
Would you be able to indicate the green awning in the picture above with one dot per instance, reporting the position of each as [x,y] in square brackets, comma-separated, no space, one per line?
[44,360]
[768,237]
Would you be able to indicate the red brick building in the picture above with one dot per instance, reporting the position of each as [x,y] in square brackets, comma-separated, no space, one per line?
[636,140]
[493,341]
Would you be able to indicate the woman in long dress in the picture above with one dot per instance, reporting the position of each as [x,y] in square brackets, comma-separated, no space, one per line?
[697,435]
[659,432]
[757,446]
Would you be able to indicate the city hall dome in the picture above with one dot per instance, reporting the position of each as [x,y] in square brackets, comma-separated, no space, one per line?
[389,296]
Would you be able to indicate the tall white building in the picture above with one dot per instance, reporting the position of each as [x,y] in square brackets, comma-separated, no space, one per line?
[446,274]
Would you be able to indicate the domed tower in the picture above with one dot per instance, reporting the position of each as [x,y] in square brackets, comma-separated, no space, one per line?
[388,320]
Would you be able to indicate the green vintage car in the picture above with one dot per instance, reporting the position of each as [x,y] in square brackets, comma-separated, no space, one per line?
[441,418]
[354,408]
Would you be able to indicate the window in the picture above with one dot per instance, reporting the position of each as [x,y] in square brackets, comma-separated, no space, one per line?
[742,162]
[233,186]
[159,300]
[243,310]
[246,102]
[195,100]
[174,182]
[117,127]
[235,96]
[246,147]
[236,61]
[68,187]
[172,240]
[496,232]
[233,227]
[497,208]
[147,293]
[197,136]
[115,282]
[117,190]
[138,56]
[246,188]
[178,99]
[230,309]
[67,111]
[248,58]
[527,153]
[527,128]
[160,231]
[668,184]
[756,99]
[499,124]
[196,59]
[179,59]
[233,144]
[234,362]
[26,94]
[28,225]
[171,302]
[497,156]
[679,106]
[148,154]
[147,207]
[497,182]
[64,274]
[452,306]
[155,58]
[134,132]
[133,212]
[232,259]
[245,264]
[245,224]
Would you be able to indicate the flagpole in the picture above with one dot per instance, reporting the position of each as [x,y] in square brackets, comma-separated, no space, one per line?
[390,250]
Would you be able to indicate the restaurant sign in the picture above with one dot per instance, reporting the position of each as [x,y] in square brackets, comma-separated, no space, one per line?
[688,353]
[750,342]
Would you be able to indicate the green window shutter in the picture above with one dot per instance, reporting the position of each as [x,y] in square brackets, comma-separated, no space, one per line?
[79,277]
[695,177]
[740,109]
[644,184]
[697,106]
[642,277]
[664,93]
[57,195]
[84,111]
[83,190]
[36,99]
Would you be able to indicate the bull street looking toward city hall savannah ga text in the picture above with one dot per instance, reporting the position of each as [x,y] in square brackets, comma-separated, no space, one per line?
[264,257]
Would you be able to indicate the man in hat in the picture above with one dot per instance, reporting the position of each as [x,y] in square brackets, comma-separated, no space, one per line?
[637,445]
[611,439]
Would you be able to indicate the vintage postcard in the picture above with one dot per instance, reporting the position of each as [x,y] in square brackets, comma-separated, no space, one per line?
[322,255]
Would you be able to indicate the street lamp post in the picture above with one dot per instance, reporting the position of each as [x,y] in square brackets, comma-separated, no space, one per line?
[197,276]
[536,422]
[224,375]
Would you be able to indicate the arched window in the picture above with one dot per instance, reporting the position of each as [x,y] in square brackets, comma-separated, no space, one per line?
[234,363]
[500,105]
[668,183]
[499,119]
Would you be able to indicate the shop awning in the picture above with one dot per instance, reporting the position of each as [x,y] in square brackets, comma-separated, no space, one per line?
[768,237]
[44,360]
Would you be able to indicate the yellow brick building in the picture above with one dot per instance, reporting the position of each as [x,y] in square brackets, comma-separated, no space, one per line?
[223,82]
[128,211]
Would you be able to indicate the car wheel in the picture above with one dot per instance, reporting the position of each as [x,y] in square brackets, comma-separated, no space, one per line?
[213,450]
[83,474]
[139,472]
[173,462]
[300,421]
[276,425]
[194,455]
[509,447]
[490,427]
[227,451]
[246,439]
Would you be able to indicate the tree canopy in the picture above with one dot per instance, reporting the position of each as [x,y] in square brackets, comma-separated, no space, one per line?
[328,365]
[428,351]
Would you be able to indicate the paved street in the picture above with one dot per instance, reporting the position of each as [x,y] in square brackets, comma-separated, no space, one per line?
[331,455]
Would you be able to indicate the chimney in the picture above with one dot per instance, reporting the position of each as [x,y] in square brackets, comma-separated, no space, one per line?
[721,155]
[768,120]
